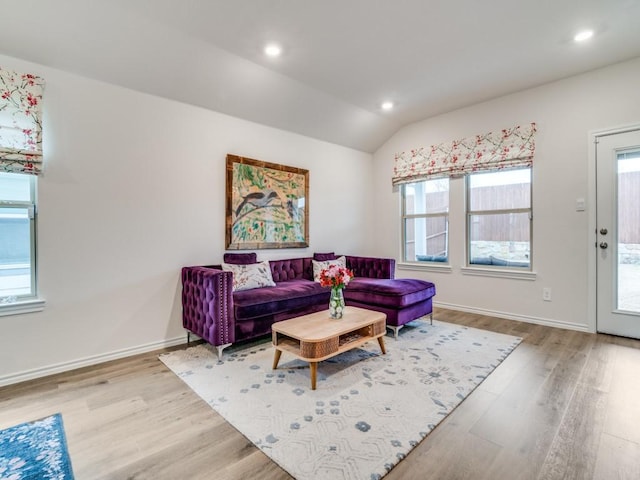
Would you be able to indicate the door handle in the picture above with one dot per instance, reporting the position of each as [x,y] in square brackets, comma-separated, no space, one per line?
[603,245]
[603,231]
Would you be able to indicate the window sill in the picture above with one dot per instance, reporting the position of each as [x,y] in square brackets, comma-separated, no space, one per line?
[23,306]
[428,267]
[499,273]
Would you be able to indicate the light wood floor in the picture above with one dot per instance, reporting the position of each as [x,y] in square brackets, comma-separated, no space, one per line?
[563,405]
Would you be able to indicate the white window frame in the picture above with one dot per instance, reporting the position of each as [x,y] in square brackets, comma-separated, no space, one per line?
[469,213]
[405,217]
[15,304]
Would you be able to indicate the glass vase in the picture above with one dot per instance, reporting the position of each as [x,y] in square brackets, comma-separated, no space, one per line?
[336,303]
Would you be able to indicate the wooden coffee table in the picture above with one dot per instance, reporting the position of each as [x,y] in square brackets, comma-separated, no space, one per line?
[316,337]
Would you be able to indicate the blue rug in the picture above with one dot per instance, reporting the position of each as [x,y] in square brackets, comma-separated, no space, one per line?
[35,450]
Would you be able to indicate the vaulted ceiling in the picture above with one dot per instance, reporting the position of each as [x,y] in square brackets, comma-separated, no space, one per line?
[340,59]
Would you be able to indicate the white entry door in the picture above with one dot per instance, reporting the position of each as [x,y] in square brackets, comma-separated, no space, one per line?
[618,233]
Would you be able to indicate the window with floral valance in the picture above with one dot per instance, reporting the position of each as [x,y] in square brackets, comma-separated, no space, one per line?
[20,122]
[508,148]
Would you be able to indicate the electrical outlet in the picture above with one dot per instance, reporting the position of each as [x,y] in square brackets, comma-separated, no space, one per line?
[546,294]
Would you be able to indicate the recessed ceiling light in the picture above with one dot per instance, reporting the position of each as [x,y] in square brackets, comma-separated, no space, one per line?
[386,105]
[584,35]
[273,50]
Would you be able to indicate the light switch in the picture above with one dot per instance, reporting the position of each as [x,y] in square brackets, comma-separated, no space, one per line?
[580,205]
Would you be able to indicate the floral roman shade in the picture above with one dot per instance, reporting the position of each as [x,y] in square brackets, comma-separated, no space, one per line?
[508,148]
[20,122]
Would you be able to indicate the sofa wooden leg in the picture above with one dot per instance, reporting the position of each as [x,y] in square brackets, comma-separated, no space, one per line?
[220,348]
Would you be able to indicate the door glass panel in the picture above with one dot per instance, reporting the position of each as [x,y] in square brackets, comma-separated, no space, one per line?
[629,231]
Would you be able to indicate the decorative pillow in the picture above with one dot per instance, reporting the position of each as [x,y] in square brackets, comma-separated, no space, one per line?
[248,277]
[240,258]
[319,266]
[323,257]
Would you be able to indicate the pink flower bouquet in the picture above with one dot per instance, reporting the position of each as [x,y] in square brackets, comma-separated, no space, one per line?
[335,277]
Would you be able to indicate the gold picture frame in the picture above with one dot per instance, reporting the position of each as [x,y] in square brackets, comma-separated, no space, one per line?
[267,205]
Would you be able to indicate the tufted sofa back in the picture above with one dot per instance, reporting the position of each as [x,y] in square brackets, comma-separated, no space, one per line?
[371,267]
[291,269]
[295,268]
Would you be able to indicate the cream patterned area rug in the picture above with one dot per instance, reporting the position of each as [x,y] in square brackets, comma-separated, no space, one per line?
[368,411]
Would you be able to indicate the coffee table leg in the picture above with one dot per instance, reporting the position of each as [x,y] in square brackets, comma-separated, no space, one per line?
[381,343]
[276,358]
[314,374]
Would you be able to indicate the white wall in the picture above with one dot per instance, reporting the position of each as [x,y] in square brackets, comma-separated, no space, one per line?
[134,189]
[565,112]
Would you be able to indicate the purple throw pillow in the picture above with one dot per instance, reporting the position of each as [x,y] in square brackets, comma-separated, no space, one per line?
[323,257]
[240,258]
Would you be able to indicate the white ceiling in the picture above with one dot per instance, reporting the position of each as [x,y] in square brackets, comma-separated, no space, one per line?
[341,58]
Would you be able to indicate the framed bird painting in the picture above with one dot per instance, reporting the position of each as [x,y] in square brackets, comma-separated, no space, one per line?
[267,205]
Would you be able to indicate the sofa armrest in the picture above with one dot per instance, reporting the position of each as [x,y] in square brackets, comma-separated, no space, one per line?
[371,267]
[207,304]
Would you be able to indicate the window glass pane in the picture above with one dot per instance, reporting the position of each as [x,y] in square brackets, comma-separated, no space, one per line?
[15,252]
[502,190]
[426,239]
[15,187]
[501,240]
[430,196]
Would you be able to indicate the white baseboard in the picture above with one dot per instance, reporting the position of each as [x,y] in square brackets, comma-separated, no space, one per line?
[88,361]
[127,352]
[512,316]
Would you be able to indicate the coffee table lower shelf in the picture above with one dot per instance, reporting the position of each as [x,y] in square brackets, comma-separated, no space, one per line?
[316,337]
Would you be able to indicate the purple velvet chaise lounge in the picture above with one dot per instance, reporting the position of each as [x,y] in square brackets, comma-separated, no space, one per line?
[220,316]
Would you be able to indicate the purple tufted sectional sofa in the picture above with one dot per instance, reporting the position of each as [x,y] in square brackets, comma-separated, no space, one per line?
[220,316]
